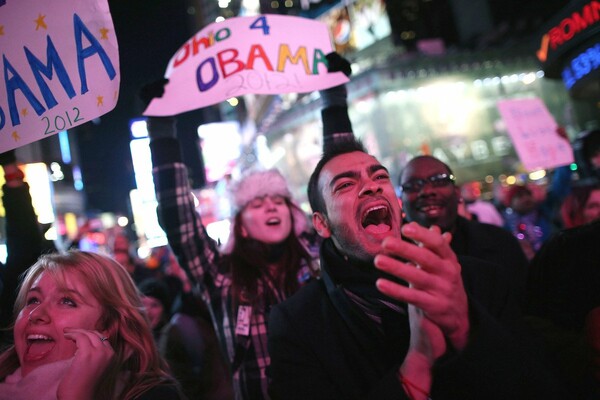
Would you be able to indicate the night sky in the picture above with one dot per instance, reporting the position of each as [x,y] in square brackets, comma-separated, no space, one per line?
[148,32]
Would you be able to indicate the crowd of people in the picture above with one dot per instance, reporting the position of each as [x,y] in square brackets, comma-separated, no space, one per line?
[435,293]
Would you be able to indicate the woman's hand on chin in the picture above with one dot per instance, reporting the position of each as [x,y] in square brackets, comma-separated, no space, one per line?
[93,356]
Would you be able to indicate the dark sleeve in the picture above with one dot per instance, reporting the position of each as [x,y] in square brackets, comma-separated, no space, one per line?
[562,289]
[334,100]
[499,362]
[499,246]
[569,352]
[297,373]
[184,356]
[23,243]
[162,392]
[165,151]
[335,120]
[23,235]
[336,125]
[489,285]
[503,359]
[519,268]
[544,276]
[564,277]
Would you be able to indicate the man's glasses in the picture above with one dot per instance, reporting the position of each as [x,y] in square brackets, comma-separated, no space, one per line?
[437,180]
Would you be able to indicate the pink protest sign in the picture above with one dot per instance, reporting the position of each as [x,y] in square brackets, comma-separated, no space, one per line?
[534,133]
[60,65]
[264,54]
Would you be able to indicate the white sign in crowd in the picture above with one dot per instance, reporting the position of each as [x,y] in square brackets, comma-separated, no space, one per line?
[535,134]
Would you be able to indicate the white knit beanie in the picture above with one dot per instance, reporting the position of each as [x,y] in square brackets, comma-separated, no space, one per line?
[259,183]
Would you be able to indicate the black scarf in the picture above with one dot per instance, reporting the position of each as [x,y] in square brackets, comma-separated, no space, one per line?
[360,281]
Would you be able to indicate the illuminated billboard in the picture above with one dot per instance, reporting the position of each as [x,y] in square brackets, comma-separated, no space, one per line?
[221,143]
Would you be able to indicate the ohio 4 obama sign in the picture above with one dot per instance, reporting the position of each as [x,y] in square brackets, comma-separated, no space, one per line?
[263,54]
[60,67]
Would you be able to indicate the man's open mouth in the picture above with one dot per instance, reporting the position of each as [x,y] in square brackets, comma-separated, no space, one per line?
[377,219]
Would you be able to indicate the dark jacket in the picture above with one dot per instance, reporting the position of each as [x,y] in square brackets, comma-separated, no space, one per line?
[564,278]
[563,288]
[323,346]
[493,244]
[162,392]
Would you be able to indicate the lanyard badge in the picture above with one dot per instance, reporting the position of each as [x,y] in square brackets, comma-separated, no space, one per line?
[242,327]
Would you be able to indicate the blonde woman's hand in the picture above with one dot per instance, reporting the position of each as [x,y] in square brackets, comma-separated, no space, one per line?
[93,356]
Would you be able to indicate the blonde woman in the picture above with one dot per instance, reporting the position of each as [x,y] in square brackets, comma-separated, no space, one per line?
[80,333]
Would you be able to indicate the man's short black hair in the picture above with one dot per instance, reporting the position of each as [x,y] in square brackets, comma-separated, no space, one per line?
[337,148]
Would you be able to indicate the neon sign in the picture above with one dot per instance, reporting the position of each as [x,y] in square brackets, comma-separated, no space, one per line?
[581,65]
[568,28]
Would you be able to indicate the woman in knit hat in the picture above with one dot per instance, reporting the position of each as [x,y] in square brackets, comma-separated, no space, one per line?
[263,263]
